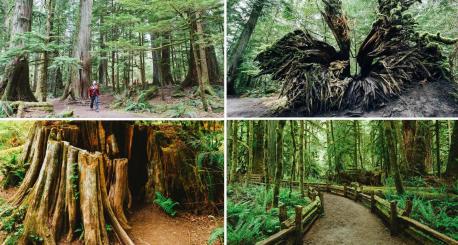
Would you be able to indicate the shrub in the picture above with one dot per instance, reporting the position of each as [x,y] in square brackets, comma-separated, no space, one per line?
[166,204]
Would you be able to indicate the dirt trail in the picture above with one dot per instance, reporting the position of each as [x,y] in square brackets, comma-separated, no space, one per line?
[150,225]
[82,109]
[428,100]
[348,222]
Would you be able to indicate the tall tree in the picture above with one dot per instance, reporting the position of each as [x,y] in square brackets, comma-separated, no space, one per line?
[438,156]
[16,78]
[452,163]
[81,78]
[234,153]
[301,156]
[390,135]
[279,170]
[241,44]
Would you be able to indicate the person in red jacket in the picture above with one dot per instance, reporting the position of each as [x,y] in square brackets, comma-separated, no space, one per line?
[94,94]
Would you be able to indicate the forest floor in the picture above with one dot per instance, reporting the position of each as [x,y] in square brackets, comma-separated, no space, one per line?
[429,100]
[348,222]
[150,225]
[81,109]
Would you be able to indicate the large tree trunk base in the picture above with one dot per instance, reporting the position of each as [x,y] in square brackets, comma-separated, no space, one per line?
[87,174]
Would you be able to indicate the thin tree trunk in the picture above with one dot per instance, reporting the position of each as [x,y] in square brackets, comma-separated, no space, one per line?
[452,163]
[438,157]
[390,135]
[237,51]
[279,170]
[234,155]
[301,156]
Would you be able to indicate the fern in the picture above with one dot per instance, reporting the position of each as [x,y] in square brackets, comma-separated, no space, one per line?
[217,236]
[166,204]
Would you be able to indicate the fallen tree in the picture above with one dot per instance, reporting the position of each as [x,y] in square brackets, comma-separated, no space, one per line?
[83,176]
[316,77]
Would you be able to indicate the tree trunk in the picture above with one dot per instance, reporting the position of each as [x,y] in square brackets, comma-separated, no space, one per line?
[16,75]
[279,170]
[166,71]
[415,137]
[234,155]
[301,156]
[81,78]
[103,65]
[452,163]
[438,149]
[156,55]
[293,165]
[389,127]
[42,86]
[237,51]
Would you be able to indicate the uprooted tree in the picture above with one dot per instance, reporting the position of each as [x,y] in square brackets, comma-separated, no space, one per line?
[316,76]
[85,175]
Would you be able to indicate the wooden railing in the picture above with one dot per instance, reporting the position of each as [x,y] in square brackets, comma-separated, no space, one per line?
[395,218]
[293,229]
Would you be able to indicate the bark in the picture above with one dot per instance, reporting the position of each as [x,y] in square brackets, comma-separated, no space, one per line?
[42,86]
[156,55]
[142,61]
[16,76]
[166,71]
[258,148]
[103,65]
[279,170]
[301,156]
[438,156]
[234,153]
[237,51]
[191,78]
[415,139]
[452,163]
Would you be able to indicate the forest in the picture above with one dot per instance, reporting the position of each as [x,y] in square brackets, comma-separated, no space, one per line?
[342,57]
[274,166]
[111,182]
[149,58]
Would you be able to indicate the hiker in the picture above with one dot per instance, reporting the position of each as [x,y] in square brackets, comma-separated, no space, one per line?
[94,93]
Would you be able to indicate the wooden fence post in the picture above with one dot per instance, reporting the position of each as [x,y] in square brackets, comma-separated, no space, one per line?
[408,209]
[298,224]
[345,190]
[372,201]
[393,217]
[328,187]
[282,214]
[322,203]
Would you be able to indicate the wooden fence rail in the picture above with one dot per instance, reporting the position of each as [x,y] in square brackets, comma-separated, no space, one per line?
[395,218]
[293,229]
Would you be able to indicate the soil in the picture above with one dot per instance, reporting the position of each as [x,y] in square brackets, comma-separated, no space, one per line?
[427,100]
[150,225]
[348,222]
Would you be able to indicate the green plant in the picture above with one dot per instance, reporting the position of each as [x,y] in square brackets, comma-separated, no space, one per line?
[217,235]
[166,204]
[13,172]
[35,238]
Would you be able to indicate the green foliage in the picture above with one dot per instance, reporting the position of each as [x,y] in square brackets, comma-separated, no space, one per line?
[13,172]
[74,178]
[249,215]
[35,238]
[11,222]
[217,236]
[441,215]
[166,204]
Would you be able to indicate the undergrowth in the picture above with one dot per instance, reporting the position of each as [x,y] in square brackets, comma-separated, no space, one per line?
[250,216]
[217,236]
[12,171]
[167,204]
[441,215]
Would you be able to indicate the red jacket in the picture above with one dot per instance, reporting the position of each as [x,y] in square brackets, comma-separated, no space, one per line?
[94,91]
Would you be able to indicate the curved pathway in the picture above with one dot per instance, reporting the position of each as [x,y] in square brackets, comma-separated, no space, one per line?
[348,222]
